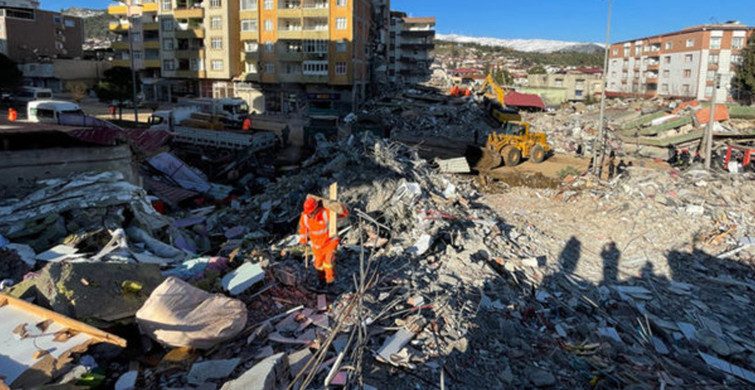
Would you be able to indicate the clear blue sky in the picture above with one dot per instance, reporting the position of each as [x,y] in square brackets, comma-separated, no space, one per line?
[574,20]
[568,20]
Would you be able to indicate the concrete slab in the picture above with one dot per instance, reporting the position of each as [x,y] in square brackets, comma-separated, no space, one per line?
[240,279]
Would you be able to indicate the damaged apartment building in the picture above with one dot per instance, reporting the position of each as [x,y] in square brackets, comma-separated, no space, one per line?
[279,55]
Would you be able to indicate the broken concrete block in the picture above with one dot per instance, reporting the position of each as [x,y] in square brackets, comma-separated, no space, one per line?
[421,246]
[240,279]
[271,373]
[211,369]
[542,378]
[179,314]
[297,360]
[59,253]
[394,344]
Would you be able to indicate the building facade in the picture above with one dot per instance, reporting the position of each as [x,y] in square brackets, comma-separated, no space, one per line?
[410,43]
[577,84]
[296,52]
[29,34]
[681,64]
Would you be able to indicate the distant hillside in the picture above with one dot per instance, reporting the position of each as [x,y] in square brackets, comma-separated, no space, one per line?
[567,58]
[96,22]
[525,45]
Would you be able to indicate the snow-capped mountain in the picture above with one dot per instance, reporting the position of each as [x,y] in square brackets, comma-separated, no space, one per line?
[83,12]
[526,45]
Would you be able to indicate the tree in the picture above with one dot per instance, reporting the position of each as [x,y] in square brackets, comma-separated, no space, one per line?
[537,69]
[78,90]
[11,75]
[744,79]
[116,86]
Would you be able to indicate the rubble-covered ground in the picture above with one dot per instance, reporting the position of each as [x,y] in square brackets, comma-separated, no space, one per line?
[641,281]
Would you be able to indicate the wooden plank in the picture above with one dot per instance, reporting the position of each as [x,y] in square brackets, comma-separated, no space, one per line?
[62,320]
[332,216]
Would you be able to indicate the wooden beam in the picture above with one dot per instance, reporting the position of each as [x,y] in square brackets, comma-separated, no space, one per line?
[62,320]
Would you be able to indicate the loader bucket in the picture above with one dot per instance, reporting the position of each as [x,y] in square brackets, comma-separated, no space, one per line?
[482,159]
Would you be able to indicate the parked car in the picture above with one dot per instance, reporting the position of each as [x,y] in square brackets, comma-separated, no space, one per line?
[49,111]
[28,94]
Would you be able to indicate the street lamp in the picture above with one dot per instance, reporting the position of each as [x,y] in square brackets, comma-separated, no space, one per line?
[598,166]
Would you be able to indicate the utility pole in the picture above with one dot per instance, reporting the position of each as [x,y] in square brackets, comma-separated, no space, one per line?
[131,19]
[596,165]
[709,131]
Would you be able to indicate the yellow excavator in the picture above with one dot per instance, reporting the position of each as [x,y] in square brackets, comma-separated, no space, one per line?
[514,139]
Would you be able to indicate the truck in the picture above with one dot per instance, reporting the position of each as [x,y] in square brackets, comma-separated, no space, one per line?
[230,111]
[193,127]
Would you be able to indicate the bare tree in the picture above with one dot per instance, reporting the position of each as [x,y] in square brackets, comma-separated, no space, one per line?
[78,90]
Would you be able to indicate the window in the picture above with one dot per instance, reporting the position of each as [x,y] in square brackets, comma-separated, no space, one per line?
[168,44]
[269,25]
[167,24]
[341,46]
[249,25]
[251,46]
[665,73]
[269,47]
[341,3]
[559,82]
[137,55]
[687,73]
[615,51]
[736,59]
[216,23]
[715,42]
[710,76]
[667,59]
[269,67]
[713,58]
[340,23]
[268,4]
[70,23]
[737,43]
[195,64]
[251,67]
[55,19]
[315,67]
[636,75]
[637,50]
[168,65]
[688,58]
[215,3]
[669,45]
[315,46]
[167,5]
[579,84]
[664,88]
[626,52]
[624,76]
[217,64]
[685,89]
[248,5]
[708,90]
[340,68]
[136,37]
[216,43]
[690,42]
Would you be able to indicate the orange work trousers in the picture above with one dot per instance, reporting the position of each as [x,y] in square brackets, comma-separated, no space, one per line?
[325,259]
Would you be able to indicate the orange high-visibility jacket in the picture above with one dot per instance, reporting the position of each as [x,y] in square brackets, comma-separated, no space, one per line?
[316,227]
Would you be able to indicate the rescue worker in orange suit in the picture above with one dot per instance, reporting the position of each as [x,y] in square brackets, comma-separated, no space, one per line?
[313,223]
[247,125]
[12,115]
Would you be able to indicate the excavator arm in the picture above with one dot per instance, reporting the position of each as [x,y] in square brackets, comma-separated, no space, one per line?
[496,92]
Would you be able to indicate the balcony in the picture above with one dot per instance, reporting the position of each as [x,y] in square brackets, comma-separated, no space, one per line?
[249,35]
[149,7]
[316,56]
[189,53]
[190,33]
[417,33]
[120,45]
[152,44]
[314,78]
[153,26]
[252,56]
[188,13]
[123,63]
[291,34]
[152,63]
[289,78]
[652,80]
[117,10]
[318,12]
[654,66]
[248,14]
[312,34]
[118,27]
[289,12]
[251,77]
[289,56]
[191,74]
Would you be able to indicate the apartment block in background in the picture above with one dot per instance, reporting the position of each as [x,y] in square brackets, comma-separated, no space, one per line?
[410,43]
[568,85]
[29,34]
[680,64]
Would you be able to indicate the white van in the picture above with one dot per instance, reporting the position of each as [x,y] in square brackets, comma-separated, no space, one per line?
[28,94]
[48,111]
